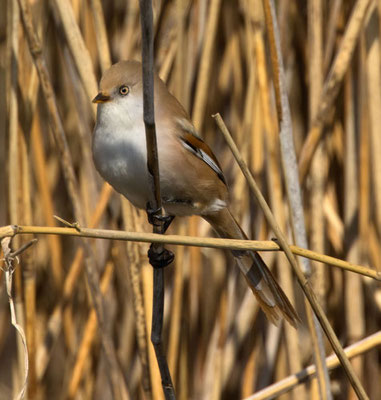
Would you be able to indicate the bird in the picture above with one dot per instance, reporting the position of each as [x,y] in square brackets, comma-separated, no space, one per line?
[191,178]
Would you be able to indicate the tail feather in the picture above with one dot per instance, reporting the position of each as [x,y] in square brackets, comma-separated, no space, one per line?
[261,281]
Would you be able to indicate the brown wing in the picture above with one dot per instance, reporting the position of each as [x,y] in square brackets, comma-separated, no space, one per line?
[199,148]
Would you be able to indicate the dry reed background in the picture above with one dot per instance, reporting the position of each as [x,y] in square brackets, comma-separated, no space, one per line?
[214,56]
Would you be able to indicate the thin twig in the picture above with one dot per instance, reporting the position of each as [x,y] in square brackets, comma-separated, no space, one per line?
[23,248]
[74,225]
[146,19]
[216,243]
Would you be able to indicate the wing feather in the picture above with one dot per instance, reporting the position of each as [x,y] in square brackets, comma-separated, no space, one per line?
[195,145]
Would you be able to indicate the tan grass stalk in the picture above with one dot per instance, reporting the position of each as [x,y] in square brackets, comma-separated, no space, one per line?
[315,68]
[71,279]
[157,391]
[364,156]
[14,192]
[332,84]
[177,307]
[205,63]
[78,48]
[333,16]
[242,323]
[318,172]
[251,372]
[13,19]
[127,38]
[47,88]
[374,101]
[212,385]
[374,246]
[276,193]
[101,35]
[195,273]
[354,304]
[304,284]
[5,82]
[198,118]
[180,57]
[134,270]
[332,362]
[293,189]
[29,273]
[20,383]
[89,333]
[40,171]
[335,225]
[167,64]
[119,390]
[176,311]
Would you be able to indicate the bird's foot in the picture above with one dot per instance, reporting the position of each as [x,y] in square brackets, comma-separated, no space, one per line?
[160,257]
[156,218]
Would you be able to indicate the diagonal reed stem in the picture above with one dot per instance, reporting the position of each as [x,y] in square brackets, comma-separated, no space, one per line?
[304,284]
[288,383]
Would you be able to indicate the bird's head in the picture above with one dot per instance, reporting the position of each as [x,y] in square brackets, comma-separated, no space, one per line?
[120,95]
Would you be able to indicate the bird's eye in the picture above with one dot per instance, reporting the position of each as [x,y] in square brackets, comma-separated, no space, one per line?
[123,90]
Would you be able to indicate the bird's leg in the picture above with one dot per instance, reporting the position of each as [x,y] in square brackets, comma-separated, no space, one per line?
[156,218]
[159,256]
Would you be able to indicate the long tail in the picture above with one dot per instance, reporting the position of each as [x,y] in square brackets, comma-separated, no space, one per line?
[269,294]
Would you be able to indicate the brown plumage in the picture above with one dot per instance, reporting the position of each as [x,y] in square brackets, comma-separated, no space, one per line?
[191,179]
[269,294]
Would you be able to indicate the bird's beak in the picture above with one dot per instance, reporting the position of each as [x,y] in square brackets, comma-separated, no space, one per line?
[101,98]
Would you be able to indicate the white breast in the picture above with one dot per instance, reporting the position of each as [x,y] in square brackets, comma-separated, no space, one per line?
[120,156]
[119,151]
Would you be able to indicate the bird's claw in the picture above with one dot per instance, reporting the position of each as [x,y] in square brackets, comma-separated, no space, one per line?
[160,258]
[156,218]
